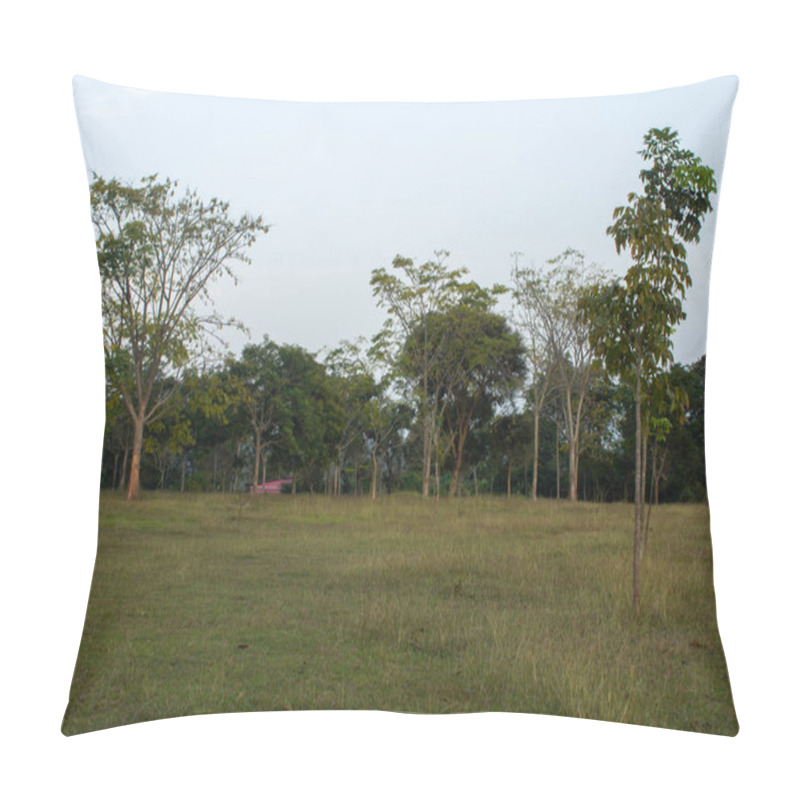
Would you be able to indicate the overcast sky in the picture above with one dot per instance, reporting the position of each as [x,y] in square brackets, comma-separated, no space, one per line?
[348,186]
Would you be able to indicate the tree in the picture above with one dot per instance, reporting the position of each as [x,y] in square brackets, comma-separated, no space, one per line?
[561,353]
[382,415]
[633,320]
[314,407]
[412,295]
[157,253]
[480,364]
[683,471]
[355,387]
[211,400]
[167,438]
[116,440]
[260,382]
[530,315]
[509,438]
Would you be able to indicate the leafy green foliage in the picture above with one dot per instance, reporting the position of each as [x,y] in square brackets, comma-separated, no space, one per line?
[158,252]
[633,321]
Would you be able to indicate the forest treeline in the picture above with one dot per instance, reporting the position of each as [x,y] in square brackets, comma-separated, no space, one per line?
[573,392]
[449,385]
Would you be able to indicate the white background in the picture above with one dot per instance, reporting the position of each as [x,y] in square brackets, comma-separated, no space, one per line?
[52,386]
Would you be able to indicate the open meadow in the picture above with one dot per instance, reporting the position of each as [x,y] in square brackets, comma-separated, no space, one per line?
[228,603]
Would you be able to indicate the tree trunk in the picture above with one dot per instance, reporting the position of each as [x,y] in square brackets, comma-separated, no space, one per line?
[508,479]
[136,455]
[374,474]
[573,469]
[657,471]
[116,470]
[643,484]
[264,452]
[438,478]
[458,453]
[558,467]
[256,457]
[535,487]
[637,492]
[123,478]
[427,452]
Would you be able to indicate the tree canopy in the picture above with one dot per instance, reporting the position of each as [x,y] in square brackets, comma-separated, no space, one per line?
[158,252]
[633,320]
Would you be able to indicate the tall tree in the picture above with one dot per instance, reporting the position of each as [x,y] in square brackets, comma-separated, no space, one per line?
[480,365]
[531,312]
[313,407]
[633,320]
[412,295]
[158,252]
[355,386]
[509,438]
[260,381]
[567,350]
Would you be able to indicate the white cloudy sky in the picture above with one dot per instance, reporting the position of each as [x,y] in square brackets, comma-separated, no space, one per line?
[347,186]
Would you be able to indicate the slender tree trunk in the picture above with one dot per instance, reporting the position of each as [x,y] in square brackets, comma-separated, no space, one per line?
[374,492]
[535,486]
[558,466]
[123,478]
[643,483]
[256,457]
[657,469]
[459,439]
[458,455]
[136,455]
[656,477]
[438,478]
[475,479]
[573,469]
[508,479]
[427,452]
[116,470]
[637,522]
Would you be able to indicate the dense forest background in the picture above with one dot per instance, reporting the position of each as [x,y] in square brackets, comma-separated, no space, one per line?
[343,422]
[205,441]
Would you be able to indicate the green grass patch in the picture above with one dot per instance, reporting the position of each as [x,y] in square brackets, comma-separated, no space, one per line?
[213,603]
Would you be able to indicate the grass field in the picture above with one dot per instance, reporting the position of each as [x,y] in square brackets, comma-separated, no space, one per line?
[214,603]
